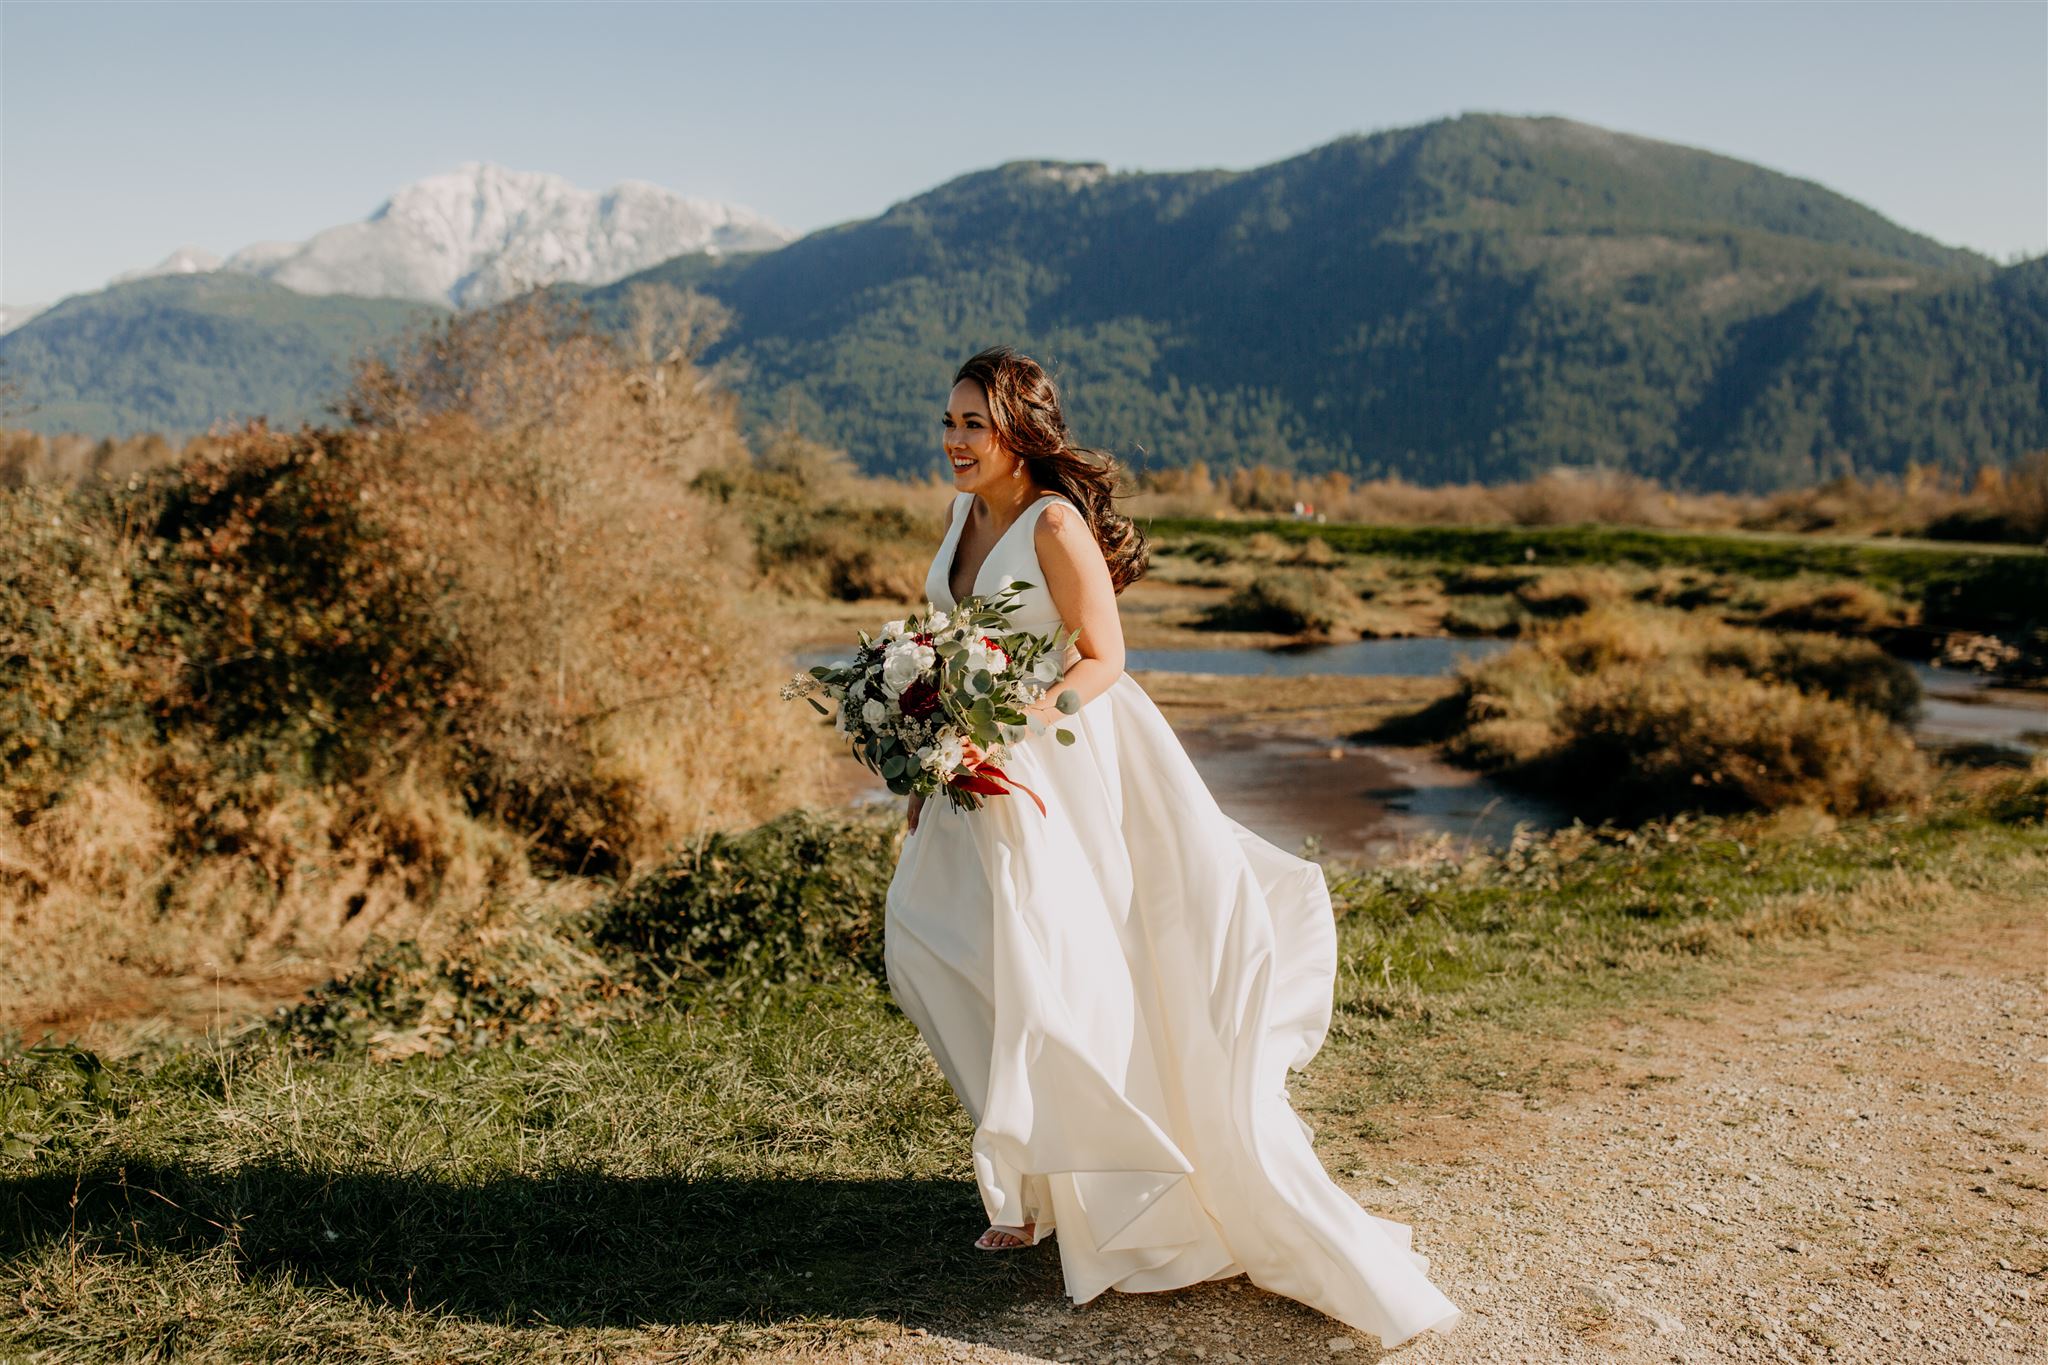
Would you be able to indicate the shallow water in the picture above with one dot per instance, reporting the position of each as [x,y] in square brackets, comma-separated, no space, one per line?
[1359,801]
[1958,705]
[1961,707]
[1421,657]
[1356,801]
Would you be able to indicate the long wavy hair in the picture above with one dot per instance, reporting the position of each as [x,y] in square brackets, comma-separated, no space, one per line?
[1024,408]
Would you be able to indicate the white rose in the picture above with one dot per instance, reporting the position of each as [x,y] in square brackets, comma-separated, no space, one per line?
[894,630]
[946,755]
[872,711]
[904,664]
[937,622]
[981,654]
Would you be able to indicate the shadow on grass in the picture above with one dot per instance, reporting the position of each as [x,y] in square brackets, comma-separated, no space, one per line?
[589,1250]
[571,1249]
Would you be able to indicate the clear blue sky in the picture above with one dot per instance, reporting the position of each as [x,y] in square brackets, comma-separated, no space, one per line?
[127,130]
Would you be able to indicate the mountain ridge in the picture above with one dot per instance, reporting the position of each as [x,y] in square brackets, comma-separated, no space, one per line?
[480,234]
[1475,298]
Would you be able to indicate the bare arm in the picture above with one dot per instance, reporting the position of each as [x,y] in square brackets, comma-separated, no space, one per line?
[1078,578]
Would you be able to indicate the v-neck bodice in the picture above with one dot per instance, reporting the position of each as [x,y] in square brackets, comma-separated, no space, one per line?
[1013,556]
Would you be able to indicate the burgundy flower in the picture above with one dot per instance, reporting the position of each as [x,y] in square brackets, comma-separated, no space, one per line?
[919,699]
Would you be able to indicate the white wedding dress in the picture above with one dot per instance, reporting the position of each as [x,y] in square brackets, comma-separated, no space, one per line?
[1116,990]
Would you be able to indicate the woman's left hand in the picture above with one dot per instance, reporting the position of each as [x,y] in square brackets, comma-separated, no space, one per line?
[1044,710]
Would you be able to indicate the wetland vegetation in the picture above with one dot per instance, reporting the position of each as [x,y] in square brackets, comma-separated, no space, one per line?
[426,937]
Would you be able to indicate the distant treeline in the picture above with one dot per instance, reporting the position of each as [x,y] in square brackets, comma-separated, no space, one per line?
[1994,504]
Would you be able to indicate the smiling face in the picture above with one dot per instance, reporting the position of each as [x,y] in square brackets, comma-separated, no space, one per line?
[978,459]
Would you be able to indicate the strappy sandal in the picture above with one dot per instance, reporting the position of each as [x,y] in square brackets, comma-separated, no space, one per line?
[1023,1236]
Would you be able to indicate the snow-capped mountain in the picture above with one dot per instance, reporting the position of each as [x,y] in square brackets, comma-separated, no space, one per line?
[482,234]
[186,260]
[479,235]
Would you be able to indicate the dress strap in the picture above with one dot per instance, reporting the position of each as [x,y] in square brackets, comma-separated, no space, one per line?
[1037,509]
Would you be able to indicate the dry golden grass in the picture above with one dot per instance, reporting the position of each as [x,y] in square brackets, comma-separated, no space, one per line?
[565,677]
[597,589]
[1633,712]
[1997,503]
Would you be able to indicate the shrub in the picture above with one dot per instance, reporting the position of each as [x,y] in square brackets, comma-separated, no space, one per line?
[842,552]
[525,979]
[1854,671]
[1680,740]
[1287,601]
[1568,592]
[1633,714]
[1314,552]
[1839,607]
[2022,798]
[289,615]
[1485,616]
[623,701]
[1486,579]
[1208,550]
[800,896]
[298,688]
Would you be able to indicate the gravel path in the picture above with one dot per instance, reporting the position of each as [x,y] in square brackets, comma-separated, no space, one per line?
[1842,1157]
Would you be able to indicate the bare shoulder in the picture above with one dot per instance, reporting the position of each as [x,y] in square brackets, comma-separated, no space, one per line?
[1061,522]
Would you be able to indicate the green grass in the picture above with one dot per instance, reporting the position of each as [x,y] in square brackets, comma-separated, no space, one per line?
[1984,587]
[734,1170]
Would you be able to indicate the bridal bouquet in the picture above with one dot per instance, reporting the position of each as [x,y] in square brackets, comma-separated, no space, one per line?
[912,698]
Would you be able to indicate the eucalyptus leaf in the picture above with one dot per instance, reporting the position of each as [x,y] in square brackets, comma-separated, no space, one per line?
[1068,701]
[1065,736]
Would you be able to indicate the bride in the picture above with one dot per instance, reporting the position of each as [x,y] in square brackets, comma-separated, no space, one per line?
[1116,988]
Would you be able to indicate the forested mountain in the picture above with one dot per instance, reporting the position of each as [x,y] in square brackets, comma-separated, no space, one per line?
[174,353]
[1474,298]
[1477,298]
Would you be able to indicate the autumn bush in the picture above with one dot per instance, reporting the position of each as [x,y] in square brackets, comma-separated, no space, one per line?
[1629,713]
[294,689]
[819,530]
[1286,601]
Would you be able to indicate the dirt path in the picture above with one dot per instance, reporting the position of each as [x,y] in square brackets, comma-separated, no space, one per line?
[1842,1157]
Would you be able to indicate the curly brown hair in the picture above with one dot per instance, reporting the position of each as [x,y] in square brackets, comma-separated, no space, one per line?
[1024,408]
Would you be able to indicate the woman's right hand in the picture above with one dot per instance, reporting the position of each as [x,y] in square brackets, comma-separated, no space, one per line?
[916,808]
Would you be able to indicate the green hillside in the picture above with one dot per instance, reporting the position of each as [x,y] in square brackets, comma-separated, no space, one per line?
[1478,298]
[174,353]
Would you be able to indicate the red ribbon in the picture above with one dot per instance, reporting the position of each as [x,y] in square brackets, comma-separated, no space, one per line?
[989,780]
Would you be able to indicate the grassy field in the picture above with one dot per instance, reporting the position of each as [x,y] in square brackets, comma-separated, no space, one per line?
[735,1170]
[1978,586]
